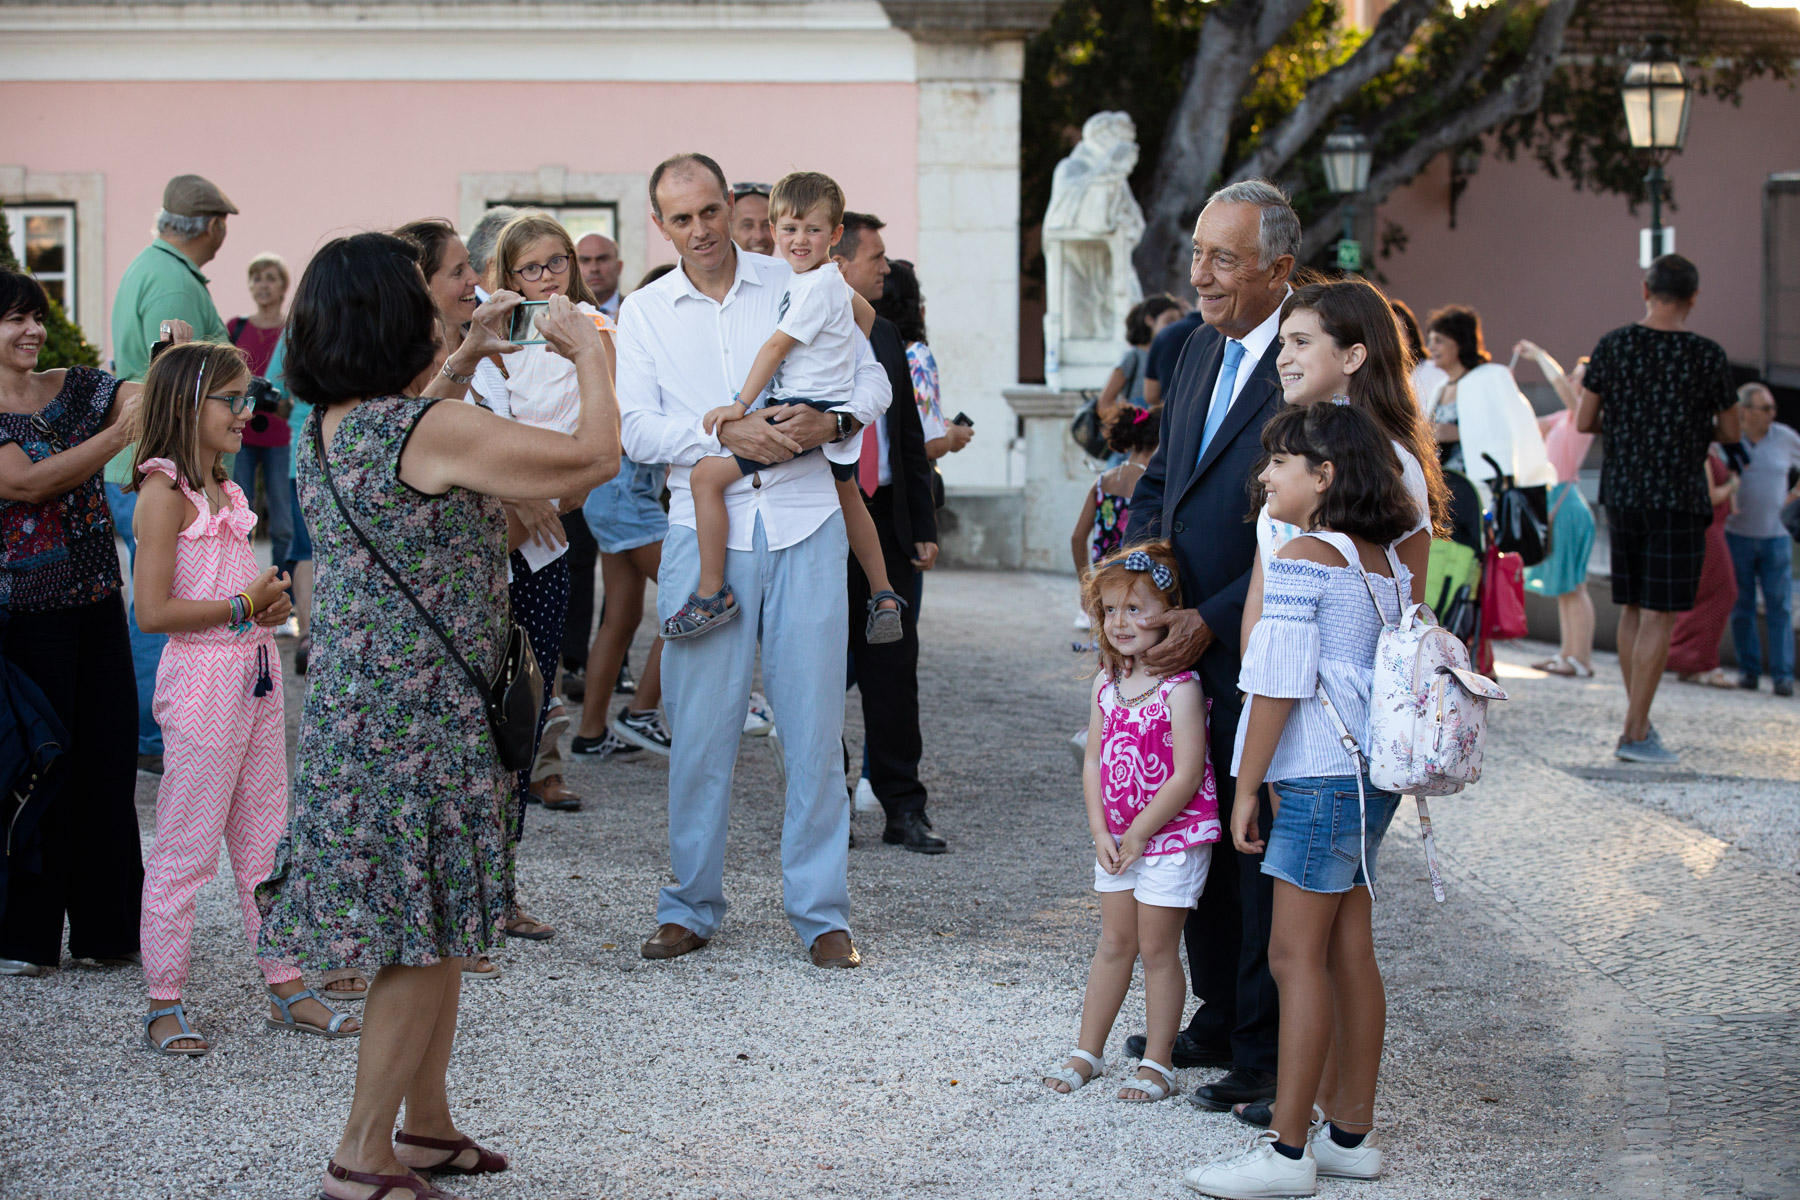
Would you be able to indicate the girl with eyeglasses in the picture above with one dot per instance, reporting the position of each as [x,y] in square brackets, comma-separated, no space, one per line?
[535,257]
[218,688]
[65,632]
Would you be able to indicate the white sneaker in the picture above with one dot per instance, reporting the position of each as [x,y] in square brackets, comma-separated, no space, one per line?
[1361,1162]
[761,718]
[1082,620]
[1256,1172]
[865,797]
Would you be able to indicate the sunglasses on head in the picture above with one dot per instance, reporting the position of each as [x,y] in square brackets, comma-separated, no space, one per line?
[740,190]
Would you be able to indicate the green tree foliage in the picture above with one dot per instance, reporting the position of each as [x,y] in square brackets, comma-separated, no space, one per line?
[64,344]
[1429,78]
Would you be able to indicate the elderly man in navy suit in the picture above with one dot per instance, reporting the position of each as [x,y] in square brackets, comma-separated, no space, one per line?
[1223,390]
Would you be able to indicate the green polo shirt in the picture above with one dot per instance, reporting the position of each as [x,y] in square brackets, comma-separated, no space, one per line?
[161,284]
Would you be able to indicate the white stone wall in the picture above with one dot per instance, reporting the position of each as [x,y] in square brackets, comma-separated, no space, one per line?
[968,256]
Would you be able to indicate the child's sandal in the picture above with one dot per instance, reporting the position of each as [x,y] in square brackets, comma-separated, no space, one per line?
[187,1033]
[700,614]
[1153,1091]
[884,623]
[1075,1079]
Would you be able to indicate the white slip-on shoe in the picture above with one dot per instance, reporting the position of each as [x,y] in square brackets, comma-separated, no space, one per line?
[865,797]
[1256,1173]
[1360,1162]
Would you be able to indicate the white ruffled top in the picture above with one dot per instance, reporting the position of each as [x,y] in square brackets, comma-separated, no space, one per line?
[1318,625]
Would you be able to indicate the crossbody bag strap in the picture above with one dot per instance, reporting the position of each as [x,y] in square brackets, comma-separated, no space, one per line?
[481,687]
[1361,764]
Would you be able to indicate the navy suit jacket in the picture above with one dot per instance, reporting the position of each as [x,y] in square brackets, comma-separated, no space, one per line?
[1201,506]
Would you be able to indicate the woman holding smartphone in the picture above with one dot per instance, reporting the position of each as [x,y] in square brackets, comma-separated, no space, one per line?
[397,853]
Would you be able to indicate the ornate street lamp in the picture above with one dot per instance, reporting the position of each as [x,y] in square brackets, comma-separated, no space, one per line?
[1657,103]
[1347,157]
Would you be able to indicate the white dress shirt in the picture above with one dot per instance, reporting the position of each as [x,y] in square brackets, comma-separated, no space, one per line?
[681,353]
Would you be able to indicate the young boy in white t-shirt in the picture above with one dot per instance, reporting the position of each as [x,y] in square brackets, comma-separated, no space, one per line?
[810,359]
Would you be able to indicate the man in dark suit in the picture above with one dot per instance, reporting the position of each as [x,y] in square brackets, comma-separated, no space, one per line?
[1223,390]
[898,492]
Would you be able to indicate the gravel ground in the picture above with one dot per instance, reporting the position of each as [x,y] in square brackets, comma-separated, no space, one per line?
[741,1071]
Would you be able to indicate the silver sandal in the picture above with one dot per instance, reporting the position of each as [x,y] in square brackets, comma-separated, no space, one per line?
[289,1024]
[187,1031]
[884,623]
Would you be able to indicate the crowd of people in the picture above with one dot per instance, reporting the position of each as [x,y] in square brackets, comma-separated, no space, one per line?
[588,432]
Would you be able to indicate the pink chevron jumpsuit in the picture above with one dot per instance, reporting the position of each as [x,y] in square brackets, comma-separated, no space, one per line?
[224,753]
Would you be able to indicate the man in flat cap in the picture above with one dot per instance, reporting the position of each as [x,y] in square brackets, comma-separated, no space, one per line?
[163,283]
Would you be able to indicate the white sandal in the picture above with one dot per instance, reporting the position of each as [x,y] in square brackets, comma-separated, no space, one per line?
[1075,1079]
[1153,1091]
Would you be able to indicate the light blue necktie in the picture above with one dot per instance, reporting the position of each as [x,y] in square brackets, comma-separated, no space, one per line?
[1215,416]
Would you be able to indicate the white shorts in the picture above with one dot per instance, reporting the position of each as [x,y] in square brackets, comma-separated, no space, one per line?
[1163,880]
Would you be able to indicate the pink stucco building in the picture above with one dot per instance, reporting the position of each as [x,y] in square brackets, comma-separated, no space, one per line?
[1540,260]
[318,118]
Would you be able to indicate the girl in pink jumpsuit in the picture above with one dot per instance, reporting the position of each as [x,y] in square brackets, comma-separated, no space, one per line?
[218,688]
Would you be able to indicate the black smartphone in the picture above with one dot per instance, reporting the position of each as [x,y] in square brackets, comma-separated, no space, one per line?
[962,418]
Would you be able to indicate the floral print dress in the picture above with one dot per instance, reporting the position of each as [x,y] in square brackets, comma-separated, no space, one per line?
[397,852]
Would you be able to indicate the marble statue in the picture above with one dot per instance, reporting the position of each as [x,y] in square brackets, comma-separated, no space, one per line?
[1090,230]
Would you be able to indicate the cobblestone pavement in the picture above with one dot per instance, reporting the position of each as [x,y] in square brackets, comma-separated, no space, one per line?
[1700,932]
[1605,1006]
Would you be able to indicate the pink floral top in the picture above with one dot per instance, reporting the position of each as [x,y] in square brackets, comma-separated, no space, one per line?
[213,559]
[1137,755]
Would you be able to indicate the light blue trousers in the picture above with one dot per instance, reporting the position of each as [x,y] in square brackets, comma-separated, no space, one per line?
[793,601]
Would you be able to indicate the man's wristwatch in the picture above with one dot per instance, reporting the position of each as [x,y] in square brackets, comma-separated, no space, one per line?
[846,425]
[452,376]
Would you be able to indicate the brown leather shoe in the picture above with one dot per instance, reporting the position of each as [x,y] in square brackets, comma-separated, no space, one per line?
[553,793]
[672,941]
[835,950]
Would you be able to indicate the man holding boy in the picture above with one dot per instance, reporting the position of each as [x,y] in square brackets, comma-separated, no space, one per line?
[687,340]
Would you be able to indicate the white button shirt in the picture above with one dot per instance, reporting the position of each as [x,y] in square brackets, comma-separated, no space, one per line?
[681,353]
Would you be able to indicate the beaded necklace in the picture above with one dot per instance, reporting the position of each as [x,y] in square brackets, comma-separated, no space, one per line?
[1134,701]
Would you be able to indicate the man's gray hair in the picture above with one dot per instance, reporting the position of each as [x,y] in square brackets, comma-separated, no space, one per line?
[1748,393]
[1279,231]
[181,229]
[486,235]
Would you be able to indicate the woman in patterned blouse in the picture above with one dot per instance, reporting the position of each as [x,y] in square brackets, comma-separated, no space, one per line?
[65,629]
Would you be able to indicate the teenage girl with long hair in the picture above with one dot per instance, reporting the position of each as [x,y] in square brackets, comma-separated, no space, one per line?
[1341,343]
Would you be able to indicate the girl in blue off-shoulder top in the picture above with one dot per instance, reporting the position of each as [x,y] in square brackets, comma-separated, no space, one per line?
[1333,473]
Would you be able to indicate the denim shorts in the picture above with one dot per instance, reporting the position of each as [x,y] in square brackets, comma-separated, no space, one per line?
[626,511]
[1315,844]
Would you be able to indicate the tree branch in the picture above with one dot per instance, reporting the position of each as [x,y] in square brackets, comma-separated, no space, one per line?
[1234,38]
[1323,96]
[1518,95]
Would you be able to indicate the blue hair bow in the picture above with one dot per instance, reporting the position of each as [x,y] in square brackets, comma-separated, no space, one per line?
[1137,560]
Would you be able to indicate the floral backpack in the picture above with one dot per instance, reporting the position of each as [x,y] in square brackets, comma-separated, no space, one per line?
[1427,712]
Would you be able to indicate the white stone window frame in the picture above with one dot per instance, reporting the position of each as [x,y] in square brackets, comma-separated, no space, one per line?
[554,187]
[18,218]
[85,193]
